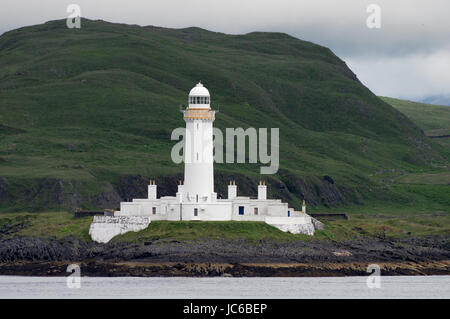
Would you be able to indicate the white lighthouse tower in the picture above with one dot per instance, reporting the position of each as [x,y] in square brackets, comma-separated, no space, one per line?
[198,148]
[196,199]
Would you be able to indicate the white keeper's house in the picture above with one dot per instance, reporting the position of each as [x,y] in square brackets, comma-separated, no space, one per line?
[196,199]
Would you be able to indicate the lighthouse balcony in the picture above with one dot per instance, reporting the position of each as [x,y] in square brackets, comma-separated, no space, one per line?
[199,114]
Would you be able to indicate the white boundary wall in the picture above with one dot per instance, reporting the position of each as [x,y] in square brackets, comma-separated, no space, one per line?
[104,228]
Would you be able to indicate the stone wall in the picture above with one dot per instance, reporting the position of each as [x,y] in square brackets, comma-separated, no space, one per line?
[294,225]
[104,228]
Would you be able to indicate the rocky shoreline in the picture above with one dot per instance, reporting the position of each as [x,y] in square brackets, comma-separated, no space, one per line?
[126,269]
[50,257]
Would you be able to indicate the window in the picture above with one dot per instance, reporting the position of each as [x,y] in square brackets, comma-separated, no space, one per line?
[195,211]
[154,210]
[198,99]
[241,210]
[256,210]
[197,194]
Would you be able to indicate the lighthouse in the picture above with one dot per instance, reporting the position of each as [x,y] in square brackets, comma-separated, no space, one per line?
[196,199]
[198,148]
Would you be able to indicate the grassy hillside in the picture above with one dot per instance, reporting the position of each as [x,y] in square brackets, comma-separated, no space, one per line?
[83,109]
[62,224]
[434,120]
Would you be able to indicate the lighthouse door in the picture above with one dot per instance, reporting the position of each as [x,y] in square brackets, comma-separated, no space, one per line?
[196,217]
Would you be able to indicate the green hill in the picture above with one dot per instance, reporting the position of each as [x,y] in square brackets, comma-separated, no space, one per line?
[434,120]
[86,116]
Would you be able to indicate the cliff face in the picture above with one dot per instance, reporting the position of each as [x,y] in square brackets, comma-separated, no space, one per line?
[51,193]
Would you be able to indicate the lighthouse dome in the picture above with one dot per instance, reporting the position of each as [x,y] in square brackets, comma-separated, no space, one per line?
[199,97]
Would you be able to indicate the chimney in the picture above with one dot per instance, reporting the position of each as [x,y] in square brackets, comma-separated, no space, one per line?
[180,190]
[232,190]
[262,190]
[152,190]
[304,207]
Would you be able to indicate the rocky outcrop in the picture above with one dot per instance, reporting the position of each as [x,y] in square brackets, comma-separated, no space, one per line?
[108,197]
[316,191]
[56,194]
[135,186]
[3,189]
[59,194]
[29,249]
[172,269]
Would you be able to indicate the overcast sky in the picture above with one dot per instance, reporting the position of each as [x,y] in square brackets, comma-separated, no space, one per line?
[408,57]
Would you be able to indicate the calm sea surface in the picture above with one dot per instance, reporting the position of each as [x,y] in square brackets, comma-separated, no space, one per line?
[219,287]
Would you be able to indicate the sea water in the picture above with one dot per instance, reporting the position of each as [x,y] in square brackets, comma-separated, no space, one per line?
[225,287]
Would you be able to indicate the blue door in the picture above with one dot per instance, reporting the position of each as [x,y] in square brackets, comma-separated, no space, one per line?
[241,210]
[289,213]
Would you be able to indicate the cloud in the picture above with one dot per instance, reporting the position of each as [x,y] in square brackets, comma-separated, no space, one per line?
[415,76]
[410,51]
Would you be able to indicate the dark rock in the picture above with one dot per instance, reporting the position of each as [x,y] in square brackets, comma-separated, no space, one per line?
[328,179]
[226,251]
[108,197]
[132,187]
[3,189]
[314,191]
